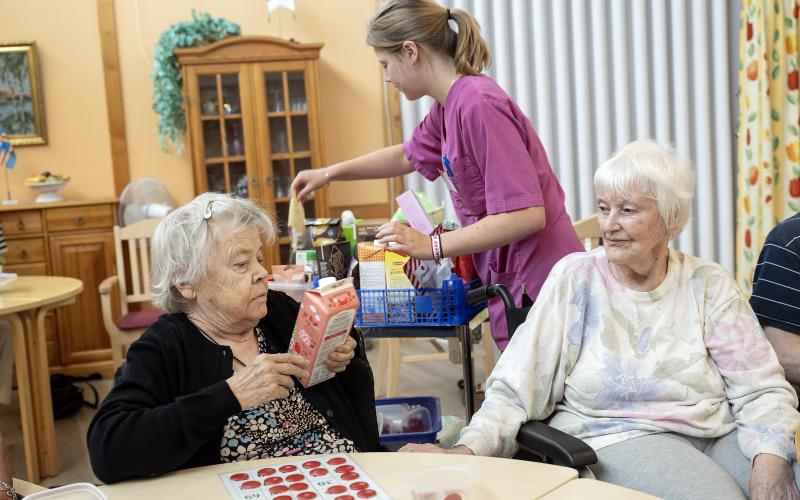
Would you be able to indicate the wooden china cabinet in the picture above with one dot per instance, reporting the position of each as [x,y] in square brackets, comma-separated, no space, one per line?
[253,116]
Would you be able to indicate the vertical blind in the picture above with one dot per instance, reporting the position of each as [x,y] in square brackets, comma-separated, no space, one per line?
[593,75]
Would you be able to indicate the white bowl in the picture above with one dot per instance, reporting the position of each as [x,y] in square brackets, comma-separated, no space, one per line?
[48,191]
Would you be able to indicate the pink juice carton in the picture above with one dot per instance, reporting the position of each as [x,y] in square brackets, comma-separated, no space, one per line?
[326,316]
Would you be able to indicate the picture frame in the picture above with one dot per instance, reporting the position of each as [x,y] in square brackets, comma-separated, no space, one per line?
[21,102]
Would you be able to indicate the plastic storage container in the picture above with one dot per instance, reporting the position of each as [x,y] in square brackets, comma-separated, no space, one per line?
[445,306]
[395,413]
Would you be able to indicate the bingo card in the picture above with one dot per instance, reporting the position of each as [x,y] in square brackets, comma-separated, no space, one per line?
[326,477]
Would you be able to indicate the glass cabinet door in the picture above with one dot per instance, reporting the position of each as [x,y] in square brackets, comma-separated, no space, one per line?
[289,139]
[223,137]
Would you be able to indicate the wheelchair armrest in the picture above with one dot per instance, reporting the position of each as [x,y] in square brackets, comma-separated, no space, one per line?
[484,293]
[560,447]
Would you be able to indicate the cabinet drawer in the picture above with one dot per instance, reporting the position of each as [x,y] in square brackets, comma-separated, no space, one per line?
[21,223]
[25,251]
[38,269]
[76,218]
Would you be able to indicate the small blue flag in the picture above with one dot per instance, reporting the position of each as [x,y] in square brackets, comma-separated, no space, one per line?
[12,160]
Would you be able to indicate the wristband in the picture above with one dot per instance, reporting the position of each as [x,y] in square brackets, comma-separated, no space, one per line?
[436,247]
[327,176]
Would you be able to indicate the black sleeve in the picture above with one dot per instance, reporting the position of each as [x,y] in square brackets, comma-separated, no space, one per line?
[146,426]
[359,385]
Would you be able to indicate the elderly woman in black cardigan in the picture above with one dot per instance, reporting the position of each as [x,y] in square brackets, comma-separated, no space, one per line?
[211,381]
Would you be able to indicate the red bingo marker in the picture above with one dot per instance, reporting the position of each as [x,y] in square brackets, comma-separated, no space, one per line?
[278,489]
[344,497]
[283,497]
[361,485]
[293,478]
[287,468]
[307,494]
[345,468]
[318,472]
[367,493]
[336,489]
[298,487]
[249,485]
[311,464]
[337,461]
[273,480]
[239,477]
[266,472]
[350,476]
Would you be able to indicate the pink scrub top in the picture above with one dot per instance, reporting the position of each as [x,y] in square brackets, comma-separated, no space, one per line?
[493,162]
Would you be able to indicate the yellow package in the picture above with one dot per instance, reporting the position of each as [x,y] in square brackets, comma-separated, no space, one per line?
[395,276]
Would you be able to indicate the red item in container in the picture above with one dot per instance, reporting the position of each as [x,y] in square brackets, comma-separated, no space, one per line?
[349,476]
[337,461]
[318,472]
[293,478]
[361,485]
[287,468]
[366,493]
[464,267]
[298,487]
[345,468]
[266,472]
[336,489]
[273,480]
[278,489]
[239,477]
[311,464]
[249,485]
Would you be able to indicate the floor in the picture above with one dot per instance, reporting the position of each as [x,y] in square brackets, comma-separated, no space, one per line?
[439,378]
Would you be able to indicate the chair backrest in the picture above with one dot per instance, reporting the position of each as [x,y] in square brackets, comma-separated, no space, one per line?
[134,271]
[589,232]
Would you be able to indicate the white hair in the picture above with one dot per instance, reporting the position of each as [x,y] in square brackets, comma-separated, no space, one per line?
[185,238]
[647,169]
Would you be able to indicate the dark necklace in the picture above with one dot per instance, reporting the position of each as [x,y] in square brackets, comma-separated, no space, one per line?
[209,337]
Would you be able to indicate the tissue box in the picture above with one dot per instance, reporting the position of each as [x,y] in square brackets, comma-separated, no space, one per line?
[325,318]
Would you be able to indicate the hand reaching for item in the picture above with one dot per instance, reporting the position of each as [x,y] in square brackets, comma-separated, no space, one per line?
[268,377]
[401,238]
[308,181]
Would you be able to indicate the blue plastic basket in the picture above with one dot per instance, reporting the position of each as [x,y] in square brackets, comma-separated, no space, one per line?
[429,402]
[445,306]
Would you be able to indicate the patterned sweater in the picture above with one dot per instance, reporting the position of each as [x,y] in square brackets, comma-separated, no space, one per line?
[609,363]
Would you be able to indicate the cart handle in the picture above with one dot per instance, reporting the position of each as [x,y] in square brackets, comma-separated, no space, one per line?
[484,293]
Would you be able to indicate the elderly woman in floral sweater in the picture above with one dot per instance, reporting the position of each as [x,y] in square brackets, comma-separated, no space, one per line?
[651,356]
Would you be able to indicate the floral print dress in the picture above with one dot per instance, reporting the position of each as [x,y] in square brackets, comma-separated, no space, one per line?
[281,427]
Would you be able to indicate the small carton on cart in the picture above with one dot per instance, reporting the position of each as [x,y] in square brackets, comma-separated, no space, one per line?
[326,316]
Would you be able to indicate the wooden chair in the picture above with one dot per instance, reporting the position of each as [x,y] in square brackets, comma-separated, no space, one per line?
[589,232]
[390,357]
[133,278]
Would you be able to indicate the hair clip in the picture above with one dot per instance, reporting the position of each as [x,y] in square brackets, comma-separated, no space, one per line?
[207,210]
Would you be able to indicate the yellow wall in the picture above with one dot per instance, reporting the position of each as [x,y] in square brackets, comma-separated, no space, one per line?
[69,50]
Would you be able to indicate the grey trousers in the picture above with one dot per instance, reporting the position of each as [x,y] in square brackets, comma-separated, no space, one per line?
[678,467]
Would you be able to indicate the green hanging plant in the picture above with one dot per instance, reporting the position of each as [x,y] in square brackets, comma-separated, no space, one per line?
[167,79]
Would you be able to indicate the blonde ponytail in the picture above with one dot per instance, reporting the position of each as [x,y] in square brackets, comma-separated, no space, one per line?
[427,23]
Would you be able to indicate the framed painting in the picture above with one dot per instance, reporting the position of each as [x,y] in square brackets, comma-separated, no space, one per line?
[21,103]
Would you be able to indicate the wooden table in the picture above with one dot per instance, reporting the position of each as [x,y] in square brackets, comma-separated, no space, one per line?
[495,478]
[24,304]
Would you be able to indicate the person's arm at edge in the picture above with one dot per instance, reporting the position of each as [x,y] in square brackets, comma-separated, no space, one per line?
[787,347]
[383,163]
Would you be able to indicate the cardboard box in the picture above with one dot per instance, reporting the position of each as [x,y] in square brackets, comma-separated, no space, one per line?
[291,273]
[323,324]
[372,273]
[395,275]
[333,259]
[367,232]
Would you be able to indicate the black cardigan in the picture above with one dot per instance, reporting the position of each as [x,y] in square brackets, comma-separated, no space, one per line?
[171,404]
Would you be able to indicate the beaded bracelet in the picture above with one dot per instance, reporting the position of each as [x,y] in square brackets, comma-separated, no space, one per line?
[8,489]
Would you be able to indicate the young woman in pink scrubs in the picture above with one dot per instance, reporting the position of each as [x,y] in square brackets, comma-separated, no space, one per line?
[506,195]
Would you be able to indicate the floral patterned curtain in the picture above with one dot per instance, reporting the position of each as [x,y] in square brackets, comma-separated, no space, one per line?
[769,126]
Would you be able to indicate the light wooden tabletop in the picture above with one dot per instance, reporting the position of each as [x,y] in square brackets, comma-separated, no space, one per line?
[26,292]
[596,490]
[494,477]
